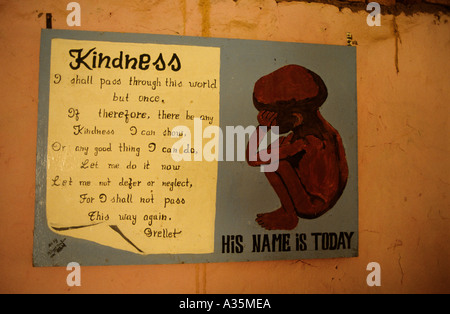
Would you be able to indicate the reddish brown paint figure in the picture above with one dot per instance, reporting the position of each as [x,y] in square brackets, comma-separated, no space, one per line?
[312,171]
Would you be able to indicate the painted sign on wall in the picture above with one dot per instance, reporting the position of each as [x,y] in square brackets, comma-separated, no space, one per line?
[168,149]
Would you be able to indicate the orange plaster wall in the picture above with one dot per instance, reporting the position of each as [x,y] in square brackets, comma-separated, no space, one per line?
[403,115]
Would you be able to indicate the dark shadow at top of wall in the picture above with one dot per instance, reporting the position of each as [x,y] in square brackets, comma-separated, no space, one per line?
[408,7]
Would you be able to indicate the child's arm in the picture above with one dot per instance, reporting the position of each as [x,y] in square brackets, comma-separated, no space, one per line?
[251,154]
[282,144]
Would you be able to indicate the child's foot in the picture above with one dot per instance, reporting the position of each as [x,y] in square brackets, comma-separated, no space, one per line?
[278,219]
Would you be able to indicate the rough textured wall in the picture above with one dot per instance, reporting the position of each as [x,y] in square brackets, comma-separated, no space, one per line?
[403,145]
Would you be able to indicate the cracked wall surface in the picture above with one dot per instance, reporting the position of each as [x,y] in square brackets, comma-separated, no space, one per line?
[403,112]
